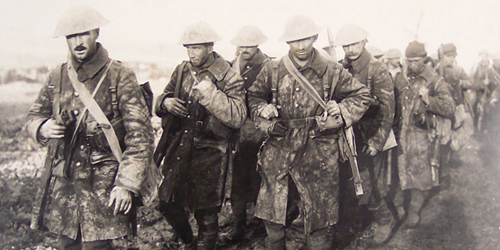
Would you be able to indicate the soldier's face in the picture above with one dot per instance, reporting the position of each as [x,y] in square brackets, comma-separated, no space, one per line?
[394,62]
[415,64]
[248,52]
[448,59]
[302,49]
[83,45]
[198,53]
[353,51]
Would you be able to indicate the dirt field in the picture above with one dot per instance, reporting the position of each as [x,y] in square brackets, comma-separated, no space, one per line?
[462,214]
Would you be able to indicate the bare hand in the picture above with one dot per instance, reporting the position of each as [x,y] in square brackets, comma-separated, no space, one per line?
[51,129]
[332,107]
[122,200]
[175,106]
[270,111]
[423,92]
[369,150]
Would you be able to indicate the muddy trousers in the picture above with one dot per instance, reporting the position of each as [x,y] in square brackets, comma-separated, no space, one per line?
[67,243]
[246,183]
[207,220]
[317,240]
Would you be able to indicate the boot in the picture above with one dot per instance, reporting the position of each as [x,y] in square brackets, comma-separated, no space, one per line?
[320,239]
[190,246]
[384,223]
[275,239]
[208,228]
[417,199]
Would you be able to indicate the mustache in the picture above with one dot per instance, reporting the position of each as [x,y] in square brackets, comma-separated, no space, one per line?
[80,48]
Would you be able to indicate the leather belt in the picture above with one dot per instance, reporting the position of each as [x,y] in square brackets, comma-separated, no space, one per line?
[307,122]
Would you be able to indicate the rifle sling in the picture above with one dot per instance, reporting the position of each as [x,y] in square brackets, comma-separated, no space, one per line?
[94,110]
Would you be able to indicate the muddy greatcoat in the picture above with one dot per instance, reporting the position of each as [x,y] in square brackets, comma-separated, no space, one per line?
[415,125]
[308,157]
[200,145]
[79,200]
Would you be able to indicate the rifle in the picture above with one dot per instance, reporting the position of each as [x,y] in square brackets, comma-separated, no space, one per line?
[166,123]
[347,134]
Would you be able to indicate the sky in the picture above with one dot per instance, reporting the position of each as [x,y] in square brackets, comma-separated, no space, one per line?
[148,30]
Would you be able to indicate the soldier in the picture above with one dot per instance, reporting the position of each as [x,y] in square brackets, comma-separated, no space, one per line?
[480,79]
[89,178]
[375,52]
[422,97]
[458,83]
[299,162]
[207,100]
[492,95]
[373,129]
[393,61]
[246,180]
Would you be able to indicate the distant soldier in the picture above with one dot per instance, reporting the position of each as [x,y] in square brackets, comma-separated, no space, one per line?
[393,61]
[299,163]
[375,52]
[91,198]
[373,129]
[459,83]
[421,97]
[492,95]
[206,98]
[480,80]
[246,180]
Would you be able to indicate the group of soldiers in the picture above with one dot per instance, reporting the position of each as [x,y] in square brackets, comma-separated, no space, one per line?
[291,135]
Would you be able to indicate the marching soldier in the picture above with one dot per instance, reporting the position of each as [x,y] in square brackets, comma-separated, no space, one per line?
[91,199]
[373,129]
[246,180]
[206,99]
[458,83]
[299,162]
[422,100]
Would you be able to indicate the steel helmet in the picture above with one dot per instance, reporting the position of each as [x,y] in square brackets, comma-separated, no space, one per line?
[376,52]
[393,54]
[198,33]
[449,48]
[249,36]
[299,27]
[349,34]
[78,19]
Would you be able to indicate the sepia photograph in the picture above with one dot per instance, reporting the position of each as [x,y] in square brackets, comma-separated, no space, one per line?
[265,124]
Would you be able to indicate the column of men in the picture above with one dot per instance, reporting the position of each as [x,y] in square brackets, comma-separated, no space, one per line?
[254,130]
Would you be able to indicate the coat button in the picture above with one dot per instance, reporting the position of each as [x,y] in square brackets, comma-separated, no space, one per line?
[186,131]
[82,147]
[297,89]
[189,102]
[76,94]
[296,105]
[178,158]
[181,145]
[78,164]
[188,116]
[245,78]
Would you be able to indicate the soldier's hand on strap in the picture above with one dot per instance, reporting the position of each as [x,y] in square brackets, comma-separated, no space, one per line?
[175,106]
[268,112]
[369,150]
[122,200]
[332,107]
[51,129]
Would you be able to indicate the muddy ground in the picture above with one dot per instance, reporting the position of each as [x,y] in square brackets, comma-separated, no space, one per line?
[462,214]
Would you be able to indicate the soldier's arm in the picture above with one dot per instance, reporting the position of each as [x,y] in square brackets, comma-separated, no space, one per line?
[352,96]
[441,102]
[258,95]
[139,139]
[168,91]
[383,91]
[39,112]
[228,104]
